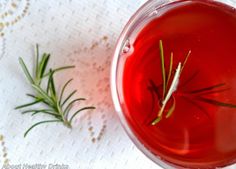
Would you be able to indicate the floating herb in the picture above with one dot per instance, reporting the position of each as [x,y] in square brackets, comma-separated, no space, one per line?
[58,107]
[168,90]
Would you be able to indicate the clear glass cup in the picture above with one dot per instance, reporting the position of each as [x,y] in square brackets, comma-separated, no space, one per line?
[150,10]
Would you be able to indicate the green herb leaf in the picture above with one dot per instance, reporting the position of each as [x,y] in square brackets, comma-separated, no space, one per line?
[157,120]
[43,64]
[46,112]
[63,90]
[43,94]
[33,111]
[163,67]
[216,103]
[66,111]
[68,97]
[212,92]
[47,95]
[39,123]
[170,68]
[59,69]
[85,108]
[51,86]
[186,59]
[29,104]
[171,110]
[205,89]
[26,71]
[37,60]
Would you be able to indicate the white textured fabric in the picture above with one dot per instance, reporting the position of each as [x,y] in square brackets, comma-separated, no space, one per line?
[79,32]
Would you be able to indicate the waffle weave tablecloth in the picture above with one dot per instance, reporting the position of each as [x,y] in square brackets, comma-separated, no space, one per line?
[78,32]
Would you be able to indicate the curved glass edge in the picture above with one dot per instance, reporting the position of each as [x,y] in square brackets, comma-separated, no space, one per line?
[113,79]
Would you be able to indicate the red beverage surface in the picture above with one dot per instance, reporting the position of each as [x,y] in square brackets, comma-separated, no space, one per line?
[197,134]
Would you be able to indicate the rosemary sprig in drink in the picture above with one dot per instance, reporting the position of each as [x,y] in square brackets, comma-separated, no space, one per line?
[167,92]
[58,107]
[194,95]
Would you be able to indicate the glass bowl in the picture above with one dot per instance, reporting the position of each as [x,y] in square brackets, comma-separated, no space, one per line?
[152,9]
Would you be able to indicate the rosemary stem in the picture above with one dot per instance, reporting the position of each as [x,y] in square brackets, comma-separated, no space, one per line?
[60,112]
[172,89]
[173,85]
[161,110]
[42,81]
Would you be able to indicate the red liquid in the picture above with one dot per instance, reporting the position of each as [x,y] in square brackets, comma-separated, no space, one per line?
[198,134]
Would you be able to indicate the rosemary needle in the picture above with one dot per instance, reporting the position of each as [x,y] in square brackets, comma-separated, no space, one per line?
[163,68]
[58,107]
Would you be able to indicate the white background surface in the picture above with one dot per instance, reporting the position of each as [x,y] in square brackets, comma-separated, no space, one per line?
[77,32]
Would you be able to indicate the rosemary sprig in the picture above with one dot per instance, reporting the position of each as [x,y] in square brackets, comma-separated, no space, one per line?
[191,96]
[58,107]
[168,92]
